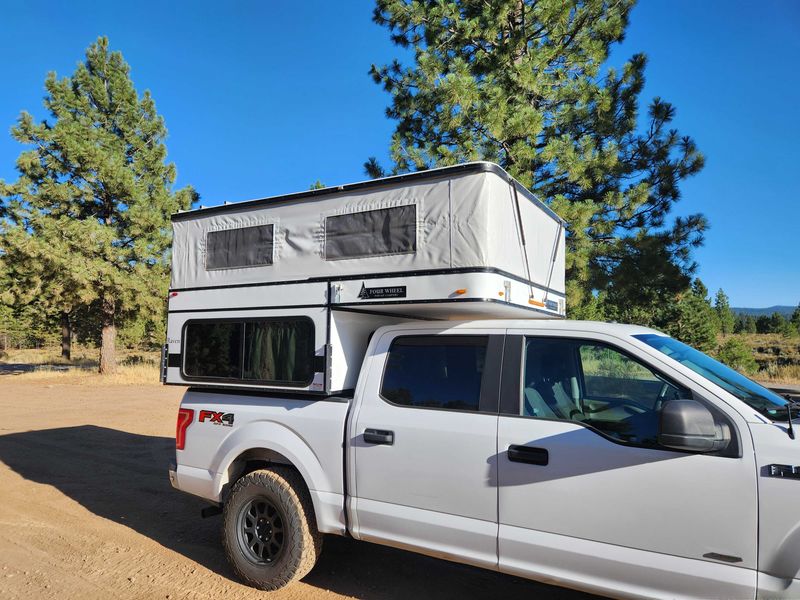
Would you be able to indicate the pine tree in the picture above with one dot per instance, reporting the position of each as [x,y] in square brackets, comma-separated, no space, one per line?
[94,195]
[692,320]
[795,318]
[745,324]
[521,83]
[725,315]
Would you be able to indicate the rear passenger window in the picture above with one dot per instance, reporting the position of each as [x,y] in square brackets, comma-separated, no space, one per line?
[435,372]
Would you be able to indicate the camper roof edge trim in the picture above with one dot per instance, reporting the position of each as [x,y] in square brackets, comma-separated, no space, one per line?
[439,173]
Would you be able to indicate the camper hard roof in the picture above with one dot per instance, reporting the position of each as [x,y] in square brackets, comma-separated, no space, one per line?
[468,218]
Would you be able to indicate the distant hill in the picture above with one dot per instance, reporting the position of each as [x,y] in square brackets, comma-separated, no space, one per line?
[786,311]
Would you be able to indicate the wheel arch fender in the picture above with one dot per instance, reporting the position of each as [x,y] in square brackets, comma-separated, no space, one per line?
[273,438]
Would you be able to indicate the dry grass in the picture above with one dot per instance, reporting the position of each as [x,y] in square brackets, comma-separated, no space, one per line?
[125,375]
[778,357]
[81,356]
[788,374]
[135,368]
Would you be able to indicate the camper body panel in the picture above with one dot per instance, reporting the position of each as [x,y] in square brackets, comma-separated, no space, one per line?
[471,216]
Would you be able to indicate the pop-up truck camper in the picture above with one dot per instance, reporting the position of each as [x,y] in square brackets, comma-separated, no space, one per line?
[390,361]
[305,279]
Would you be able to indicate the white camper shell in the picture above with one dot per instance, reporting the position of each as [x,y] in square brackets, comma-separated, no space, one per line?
[282,293]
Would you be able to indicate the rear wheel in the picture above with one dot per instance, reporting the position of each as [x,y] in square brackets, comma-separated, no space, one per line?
[269,531]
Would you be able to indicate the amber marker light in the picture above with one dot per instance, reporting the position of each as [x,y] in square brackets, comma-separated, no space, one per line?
[460,292]
[535,302]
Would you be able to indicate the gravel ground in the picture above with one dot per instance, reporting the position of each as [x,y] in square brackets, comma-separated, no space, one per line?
[86,511]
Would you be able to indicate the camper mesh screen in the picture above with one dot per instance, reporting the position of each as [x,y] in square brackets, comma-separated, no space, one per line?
[371,233]
[235,248]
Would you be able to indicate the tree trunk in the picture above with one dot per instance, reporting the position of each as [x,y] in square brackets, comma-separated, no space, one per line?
[66,337]
[108,354]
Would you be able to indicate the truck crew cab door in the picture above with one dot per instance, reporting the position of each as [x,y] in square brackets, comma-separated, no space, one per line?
[588,498]
[423,441]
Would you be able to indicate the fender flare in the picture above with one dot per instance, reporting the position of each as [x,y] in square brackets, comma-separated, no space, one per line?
[270,435]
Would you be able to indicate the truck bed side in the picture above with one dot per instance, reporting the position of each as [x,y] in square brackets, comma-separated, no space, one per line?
[231,433]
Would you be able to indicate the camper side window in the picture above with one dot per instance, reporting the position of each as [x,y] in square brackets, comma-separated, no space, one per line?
[265,351]
[371,233]
[237,248]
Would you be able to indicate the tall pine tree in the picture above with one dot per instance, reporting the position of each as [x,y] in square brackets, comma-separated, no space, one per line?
[522,83]
[94,195]
[725,316]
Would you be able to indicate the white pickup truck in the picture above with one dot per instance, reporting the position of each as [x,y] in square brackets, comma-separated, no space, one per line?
[602,457]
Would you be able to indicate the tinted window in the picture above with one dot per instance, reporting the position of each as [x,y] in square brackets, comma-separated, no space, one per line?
[244,247]
[254,350]
[757,396]
[213,349]
[435,371]
[597,385]
[371,233]
[279,350]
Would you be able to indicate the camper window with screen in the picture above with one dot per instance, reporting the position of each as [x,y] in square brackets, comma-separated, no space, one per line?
[251,350]
[371,233]
[237,248]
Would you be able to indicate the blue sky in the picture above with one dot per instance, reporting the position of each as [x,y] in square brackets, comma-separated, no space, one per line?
[264,98]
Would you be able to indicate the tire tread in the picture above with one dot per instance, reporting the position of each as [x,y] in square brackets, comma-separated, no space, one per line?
[286,483]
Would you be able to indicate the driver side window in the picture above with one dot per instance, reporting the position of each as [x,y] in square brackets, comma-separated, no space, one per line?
[595,384]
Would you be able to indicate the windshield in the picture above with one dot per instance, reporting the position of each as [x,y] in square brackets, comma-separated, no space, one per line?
[757,396]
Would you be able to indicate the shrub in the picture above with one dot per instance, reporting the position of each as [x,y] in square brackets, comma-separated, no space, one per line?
[735,353]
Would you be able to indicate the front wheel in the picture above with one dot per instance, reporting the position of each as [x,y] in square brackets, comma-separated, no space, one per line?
[269,531]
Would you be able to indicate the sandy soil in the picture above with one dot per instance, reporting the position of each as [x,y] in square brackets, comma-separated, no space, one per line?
[86,511]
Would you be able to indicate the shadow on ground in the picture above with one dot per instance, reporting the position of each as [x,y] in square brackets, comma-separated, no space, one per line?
[123,477]
[18,368]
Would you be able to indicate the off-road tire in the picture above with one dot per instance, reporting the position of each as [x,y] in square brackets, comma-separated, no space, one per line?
[284,489]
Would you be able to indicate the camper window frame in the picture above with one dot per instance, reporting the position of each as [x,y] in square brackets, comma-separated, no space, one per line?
[271,262]
[362,210]
[241,380]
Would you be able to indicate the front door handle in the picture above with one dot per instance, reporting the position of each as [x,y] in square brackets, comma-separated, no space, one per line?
[528,454]
[379,436]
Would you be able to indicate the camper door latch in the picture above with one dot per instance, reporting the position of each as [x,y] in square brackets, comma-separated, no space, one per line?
[164,362]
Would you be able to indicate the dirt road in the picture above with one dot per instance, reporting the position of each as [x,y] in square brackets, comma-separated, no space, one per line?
[86,511]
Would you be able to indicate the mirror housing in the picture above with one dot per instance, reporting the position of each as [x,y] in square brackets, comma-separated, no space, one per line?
[688,425]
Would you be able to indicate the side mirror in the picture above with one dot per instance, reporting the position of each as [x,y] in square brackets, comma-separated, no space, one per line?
[688,425]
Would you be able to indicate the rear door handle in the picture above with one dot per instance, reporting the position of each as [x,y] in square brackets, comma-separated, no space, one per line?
[528,454]
[379,436]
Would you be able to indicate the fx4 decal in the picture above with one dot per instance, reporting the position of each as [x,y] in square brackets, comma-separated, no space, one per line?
[216,418]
